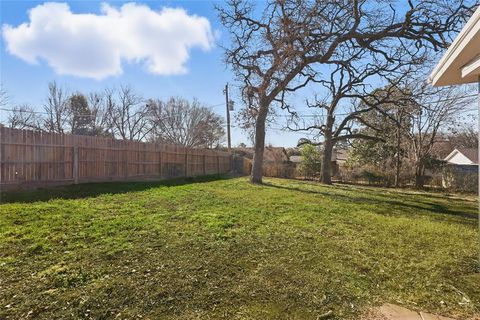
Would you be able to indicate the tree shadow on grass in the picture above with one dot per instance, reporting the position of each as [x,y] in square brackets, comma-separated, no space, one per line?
[90,190]
[413,207]
[407,192]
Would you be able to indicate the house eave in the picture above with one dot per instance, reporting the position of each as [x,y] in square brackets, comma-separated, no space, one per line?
[463,52]
[451,155]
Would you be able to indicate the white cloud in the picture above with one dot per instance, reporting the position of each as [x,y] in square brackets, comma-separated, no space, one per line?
[94,46]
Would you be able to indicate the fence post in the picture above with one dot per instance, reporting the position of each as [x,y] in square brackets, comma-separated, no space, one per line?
[204,165]
[186,162]
[126,151]
[160,162]
[75,164]
[218,163]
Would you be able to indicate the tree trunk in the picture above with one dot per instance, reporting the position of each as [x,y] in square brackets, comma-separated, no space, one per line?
[419,176]
[257,168]
[397,161]
[326,175]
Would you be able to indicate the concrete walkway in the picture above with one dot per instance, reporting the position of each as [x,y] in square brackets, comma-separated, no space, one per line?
[394,312]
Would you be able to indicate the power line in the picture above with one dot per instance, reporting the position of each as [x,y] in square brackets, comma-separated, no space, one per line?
[216,105]
[299,115]
[20,110]
[284,130]
[285,116]
[346,114]
[23,110]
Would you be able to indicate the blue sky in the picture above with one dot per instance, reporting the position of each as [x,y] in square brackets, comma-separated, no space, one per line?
[202,75]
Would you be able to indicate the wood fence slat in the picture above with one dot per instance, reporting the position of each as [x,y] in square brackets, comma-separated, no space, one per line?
[34,157]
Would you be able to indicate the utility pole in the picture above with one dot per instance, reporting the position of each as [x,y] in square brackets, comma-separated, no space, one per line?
[227,105]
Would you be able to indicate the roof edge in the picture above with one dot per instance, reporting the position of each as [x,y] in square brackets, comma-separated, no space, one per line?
[451,154]
[454,47]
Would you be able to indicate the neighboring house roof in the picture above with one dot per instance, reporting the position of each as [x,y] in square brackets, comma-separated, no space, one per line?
[442,147]
[279,154]
[296,159]
[340,155]
[461,63]
[463,156]
[271,154]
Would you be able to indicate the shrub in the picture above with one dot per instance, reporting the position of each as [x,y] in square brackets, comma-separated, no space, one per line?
[460,178]
[310,165]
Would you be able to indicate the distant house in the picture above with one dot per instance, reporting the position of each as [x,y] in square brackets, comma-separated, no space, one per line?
[296,159]
[442,147]
[339,159]
[275,161]
[461,169]
[463,156]
[340,156]
[270,154]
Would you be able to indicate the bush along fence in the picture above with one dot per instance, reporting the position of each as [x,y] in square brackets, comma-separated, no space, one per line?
[38,159]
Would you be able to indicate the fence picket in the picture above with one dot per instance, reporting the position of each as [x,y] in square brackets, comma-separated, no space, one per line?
[36,159]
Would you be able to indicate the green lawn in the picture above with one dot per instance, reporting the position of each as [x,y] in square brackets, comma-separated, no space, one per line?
[226,249]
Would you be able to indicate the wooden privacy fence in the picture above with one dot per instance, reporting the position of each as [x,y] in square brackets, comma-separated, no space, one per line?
[36,159]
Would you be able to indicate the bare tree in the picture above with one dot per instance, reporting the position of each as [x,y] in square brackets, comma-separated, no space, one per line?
[179,121]
[127,114]
[436,109]
[345,102]
[246,120]
[24,117]
[282,48]
[464,137]
[56,109]
[388,122]
[121,114]
[101,122]
[412,122]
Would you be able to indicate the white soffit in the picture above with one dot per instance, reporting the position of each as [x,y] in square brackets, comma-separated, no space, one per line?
[472,69]
[461,63]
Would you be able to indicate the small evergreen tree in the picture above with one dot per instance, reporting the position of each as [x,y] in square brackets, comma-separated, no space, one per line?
[81,118]
[310,165]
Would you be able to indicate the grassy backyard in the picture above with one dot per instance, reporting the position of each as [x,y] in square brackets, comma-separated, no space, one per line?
[208,249]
